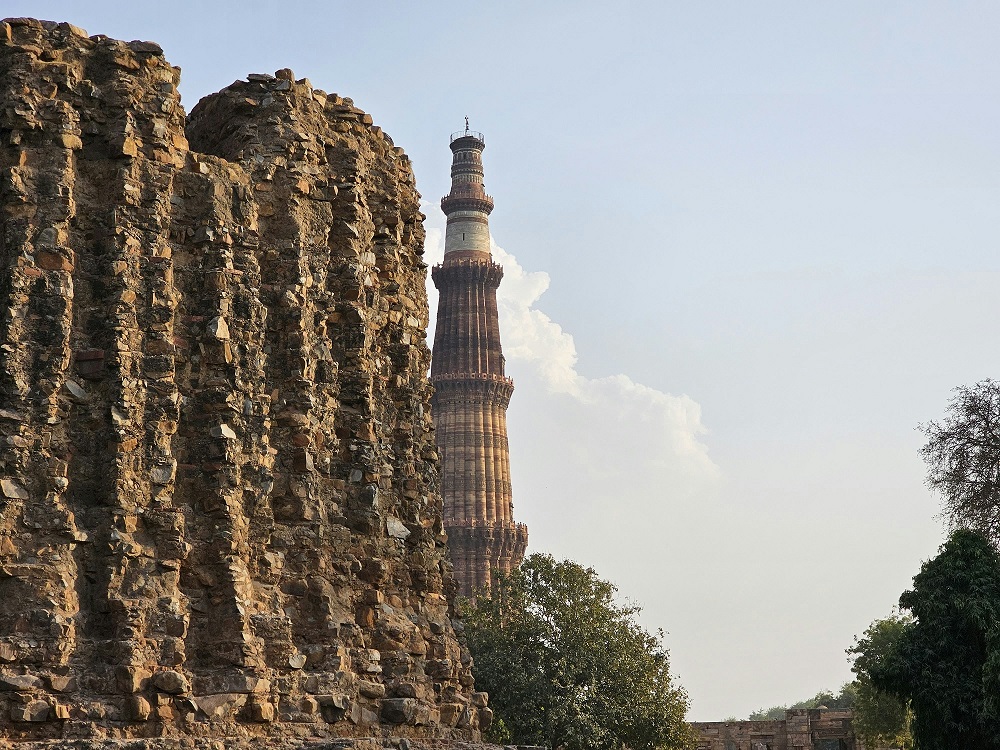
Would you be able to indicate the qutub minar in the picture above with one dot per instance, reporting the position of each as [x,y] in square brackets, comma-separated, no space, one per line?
[471,389]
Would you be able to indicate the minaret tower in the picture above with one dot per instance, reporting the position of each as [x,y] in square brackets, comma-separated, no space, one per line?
[471,389]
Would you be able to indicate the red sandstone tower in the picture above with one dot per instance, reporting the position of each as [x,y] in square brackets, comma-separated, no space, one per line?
[471,390]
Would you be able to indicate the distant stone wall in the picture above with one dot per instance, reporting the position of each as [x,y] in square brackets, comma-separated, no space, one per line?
[219,515]
[801,729]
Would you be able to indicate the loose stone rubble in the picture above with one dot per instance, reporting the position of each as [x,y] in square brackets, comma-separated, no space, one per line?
[219,515]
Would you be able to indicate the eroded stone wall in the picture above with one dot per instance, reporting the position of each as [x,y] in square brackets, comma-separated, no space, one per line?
[218,503]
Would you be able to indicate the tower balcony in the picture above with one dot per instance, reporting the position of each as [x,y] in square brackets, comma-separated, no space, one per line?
[467,271]
[467,198]
[472,386]
[472,377]
[472,134]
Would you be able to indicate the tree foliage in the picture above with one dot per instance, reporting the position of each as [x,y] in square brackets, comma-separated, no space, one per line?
[946,661]
[567,667]
[843,699]
[963,458]
[881,719]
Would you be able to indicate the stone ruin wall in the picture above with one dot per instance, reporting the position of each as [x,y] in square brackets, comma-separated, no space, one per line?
[219,514]
[801,729]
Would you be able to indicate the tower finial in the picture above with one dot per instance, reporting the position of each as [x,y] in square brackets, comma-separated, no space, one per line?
[466,123]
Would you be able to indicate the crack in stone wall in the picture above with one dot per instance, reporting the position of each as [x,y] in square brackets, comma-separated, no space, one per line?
[219,512]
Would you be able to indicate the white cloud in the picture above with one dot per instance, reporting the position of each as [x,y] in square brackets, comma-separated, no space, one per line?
[593,441]
[669,427]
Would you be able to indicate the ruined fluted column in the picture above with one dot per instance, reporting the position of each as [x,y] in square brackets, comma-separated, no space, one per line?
[471,390]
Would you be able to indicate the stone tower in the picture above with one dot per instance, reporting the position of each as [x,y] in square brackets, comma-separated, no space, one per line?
[471,390]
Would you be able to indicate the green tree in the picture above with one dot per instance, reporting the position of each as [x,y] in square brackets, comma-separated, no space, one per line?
[945,662]
[567,667]
[880,718]
[963,459]
[774,713]
[844,699]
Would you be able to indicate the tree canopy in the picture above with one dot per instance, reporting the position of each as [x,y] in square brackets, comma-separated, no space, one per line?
[881,719]
[844,699]
[963,458]
[568,667]
[946,661]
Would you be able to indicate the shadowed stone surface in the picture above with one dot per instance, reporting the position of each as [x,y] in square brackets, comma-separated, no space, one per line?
[218,506]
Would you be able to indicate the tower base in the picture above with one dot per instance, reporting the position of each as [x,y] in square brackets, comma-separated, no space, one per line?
[480,553]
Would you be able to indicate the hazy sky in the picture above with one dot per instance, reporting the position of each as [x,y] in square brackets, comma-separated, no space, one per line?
[748,248]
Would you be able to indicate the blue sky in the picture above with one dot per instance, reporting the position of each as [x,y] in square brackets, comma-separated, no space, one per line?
[749,247]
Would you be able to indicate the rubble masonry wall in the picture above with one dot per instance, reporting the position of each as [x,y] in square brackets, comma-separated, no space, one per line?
[219,513]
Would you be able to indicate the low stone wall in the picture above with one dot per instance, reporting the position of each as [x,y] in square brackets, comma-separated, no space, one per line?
[196,743]
[801,729]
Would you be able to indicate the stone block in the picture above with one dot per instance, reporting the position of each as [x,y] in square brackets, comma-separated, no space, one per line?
[261,711]
[399,710]
[171,682]
[137,708]
[34,711]
[333,707]
[303,460]
[485,718]
[62,683]
[13,490]
[19,682]
[70,141]
[371,689]
[221,705]
[60,711]
[451,713]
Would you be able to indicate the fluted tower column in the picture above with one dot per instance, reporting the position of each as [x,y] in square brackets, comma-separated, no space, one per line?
[471,389]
